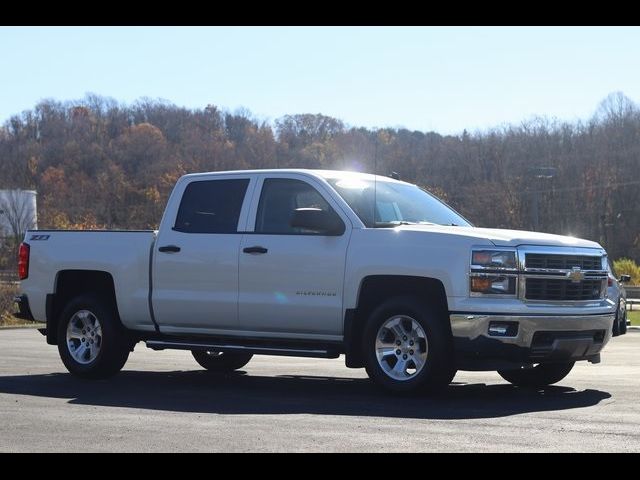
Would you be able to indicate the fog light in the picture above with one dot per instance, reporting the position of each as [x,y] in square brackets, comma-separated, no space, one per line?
[497,330]
[503,329]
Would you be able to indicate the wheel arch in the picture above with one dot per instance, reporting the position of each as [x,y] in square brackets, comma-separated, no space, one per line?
[373,291]
[72,283]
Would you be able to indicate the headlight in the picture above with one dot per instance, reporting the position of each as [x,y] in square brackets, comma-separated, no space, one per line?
[483,284]
[493,272]
[494,259]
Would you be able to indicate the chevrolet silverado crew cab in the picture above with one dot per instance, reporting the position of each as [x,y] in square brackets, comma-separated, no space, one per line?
[317,264]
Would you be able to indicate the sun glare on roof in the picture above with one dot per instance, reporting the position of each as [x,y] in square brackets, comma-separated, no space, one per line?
[352,183]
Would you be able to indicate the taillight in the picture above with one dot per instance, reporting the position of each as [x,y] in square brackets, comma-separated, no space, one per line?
[23,261]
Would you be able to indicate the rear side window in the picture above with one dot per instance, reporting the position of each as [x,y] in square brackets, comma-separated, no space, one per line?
[211,206]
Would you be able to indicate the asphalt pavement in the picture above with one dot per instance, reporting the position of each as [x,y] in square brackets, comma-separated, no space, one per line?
[164,402]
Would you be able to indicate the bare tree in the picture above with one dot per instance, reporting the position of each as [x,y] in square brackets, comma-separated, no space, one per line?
[17,214]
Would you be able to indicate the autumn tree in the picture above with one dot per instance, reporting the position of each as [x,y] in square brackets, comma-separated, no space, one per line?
[97,163]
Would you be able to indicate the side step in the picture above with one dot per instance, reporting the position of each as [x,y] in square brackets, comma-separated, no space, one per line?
[290,351]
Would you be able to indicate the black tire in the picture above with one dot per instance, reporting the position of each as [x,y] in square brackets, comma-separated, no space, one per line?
[620,322]
[113,347]
[616,329]
[541,375]
[221,362]
[438,369]
[623,323]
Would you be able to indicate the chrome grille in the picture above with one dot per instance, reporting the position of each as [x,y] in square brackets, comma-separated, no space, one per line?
[549,274]
[562,262]
[562,290]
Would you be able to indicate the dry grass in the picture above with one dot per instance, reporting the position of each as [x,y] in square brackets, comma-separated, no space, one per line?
[634,317]
[11,321]
[7,292]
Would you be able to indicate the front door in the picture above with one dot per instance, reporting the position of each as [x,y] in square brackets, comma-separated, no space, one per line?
[291,280]
[195,269]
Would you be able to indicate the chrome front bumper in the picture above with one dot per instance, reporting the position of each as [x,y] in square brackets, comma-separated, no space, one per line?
[529,339]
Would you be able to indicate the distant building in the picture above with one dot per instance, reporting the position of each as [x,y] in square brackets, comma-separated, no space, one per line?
[18,212]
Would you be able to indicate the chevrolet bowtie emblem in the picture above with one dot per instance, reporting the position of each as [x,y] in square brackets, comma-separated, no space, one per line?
[575,275]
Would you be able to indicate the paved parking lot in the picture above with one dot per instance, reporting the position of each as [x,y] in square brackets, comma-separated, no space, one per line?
[163,401]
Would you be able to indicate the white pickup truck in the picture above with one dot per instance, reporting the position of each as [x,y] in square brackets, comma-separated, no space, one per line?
[317,264]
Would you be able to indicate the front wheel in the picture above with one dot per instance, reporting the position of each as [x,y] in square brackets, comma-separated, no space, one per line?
[221,362]
[407,347]
[541,375]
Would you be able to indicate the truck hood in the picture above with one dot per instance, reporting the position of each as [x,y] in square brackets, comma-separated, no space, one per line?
[505,238]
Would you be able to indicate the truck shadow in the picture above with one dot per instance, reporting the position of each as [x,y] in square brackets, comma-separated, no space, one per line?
[239,393]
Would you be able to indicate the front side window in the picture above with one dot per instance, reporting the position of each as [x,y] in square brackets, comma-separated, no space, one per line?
[386,204]
[279,200]
[211,206]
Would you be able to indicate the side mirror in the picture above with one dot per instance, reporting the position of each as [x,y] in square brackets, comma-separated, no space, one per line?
[625,278]
[318,221]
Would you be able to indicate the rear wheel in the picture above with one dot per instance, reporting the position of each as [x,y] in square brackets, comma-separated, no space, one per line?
[91,341]
[221,361]
[407,348]
[541,375]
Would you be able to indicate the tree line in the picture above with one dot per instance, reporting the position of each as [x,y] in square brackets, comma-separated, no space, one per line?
[97,163]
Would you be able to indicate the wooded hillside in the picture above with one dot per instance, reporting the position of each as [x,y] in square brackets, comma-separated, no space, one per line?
[98,163]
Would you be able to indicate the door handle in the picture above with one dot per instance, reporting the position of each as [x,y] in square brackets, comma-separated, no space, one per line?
[169,249]
[255,250]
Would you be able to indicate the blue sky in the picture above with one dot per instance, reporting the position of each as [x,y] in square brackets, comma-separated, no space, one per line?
[432,78]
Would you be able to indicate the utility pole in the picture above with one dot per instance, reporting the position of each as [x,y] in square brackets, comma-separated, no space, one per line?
[538,174]
[535,200]
[603,230]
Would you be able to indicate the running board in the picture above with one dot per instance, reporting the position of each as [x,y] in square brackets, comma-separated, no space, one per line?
[297,351]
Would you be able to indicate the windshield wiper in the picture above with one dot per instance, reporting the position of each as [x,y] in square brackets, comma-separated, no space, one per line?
[395,223]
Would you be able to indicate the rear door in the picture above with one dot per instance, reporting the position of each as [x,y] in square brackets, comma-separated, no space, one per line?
[195,270]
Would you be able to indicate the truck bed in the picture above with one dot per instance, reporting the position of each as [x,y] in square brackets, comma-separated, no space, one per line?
[124,254]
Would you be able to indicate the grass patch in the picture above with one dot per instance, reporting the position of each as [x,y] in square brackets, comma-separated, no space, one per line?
[7,292]
[634,317]
[11,321]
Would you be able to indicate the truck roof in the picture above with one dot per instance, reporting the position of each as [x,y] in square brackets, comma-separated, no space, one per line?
[325,174]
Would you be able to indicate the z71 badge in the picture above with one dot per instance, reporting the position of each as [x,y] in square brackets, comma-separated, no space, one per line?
[39,237]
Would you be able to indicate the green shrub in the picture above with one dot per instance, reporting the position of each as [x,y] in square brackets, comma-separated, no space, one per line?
[626,266]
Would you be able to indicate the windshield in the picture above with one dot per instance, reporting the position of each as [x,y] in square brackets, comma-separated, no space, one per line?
[395,204]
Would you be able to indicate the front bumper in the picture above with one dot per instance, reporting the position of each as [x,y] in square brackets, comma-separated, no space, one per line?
[527,339]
